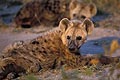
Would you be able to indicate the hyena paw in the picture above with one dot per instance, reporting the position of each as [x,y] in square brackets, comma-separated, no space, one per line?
[11,76]
[14,45]
[18,44]
[5,61]
[3,64]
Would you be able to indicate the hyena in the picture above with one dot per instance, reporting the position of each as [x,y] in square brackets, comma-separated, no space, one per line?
[51,50]
[50,12]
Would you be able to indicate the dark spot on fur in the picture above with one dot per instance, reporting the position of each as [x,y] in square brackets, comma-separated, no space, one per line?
[45,52]
[37,48]
[40,51]
[34,54]
[45,41]
[43,48]
[13,52]
[59,32]
[61,63]
[35,42]
[54,64]
[53,42]
[87,63]
[33,51]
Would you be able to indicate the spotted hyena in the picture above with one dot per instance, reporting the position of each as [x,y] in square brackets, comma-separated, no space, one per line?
[50,12]
[51,50]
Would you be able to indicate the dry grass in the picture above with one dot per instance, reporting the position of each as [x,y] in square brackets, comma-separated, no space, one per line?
[109,50]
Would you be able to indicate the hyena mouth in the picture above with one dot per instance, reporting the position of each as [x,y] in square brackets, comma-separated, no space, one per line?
[74,51]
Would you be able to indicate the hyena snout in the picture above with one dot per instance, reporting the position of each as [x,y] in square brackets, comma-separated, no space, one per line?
[73,46]
[74,33]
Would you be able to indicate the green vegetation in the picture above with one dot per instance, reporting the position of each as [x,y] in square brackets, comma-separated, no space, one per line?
[30,77]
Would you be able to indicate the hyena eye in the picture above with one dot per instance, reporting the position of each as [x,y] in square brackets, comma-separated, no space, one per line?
[78,38]
[83,17]
[74,15]
[68,37]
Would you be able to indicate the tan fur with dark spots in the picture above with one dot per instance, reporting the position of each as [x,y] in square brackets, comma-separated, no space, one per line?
[75,33]
[48,52]
[80,10]
[50,12]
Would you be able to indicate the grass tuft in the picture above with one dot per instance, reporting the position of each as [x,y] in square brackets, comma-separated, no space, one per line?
[30,77]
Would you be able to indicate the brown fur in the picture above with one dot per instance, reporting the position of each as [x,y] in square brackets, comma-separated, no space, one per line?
[80,10]
[50,12]
[48,51]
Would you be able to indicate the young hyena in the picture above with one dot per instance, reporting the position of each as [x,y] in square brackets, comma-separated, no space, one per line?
[50,12]
[50,51]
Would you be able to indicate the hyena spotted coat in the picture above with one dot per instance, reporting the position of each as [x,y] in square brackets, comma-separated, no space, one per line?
[51,50]
[50,12]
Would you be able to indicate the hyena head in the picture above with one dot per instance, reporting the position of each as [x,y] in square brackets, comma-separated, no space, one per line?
[75,32]
[80,10]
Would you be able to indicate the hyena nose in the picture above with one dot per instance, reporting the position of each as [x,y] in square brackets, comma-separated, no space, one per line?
[71,49]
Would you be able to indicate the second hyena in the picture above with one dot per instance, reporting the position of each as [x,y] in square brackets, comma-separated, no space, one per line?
[50,12]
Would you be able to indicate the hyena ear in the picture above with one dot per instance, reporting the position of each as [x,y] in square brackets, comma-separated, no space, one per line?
[73,4]
[64,24]
[89,26]
[92,9]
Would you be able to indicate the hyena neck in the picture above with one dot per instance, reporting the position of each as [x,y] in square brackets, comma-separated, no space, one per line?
[54,35]
[77,53]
